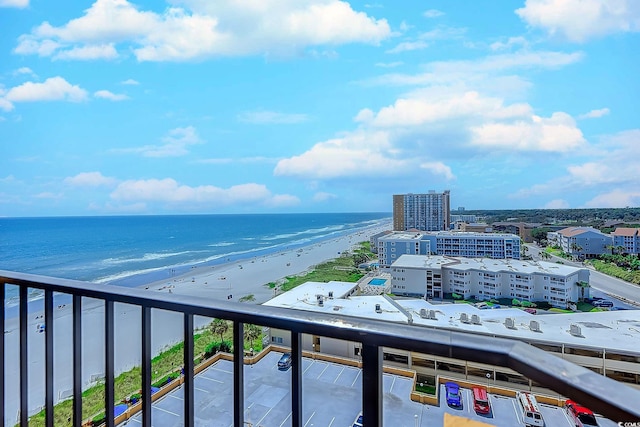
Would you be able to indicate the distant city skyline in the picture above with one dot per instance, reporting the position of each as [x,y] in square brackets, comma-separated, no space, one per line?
[118,108]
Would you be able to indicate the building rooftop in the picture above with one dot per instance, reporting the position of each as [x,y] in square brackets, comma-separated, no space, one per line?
[625,231]
[487,264]
[417,235]
[617,331]
[575,231]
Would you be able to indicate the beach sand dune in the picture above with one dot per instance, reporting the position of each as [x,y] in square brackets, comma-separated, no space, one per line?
[236,279]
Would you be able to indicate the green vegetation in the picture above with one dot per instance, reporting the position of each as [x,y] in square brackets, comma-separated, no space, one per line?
[592,217]
[632,276]
[426,389]
[247,298]
[340,269]
[166,364]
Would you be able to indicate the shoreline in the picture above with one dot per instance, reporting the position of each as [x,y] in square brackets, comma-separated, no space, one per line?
[246,277]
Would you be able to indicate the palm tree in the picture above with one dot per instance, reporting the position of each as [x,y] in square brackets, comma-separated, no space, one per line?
[219,327]
[545,255]
[576,248]
[251,333]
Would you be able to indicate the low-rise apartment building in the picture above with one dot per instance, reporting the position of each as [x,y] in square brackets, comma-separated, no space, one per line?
[627,238]
[605,342]
[485,279]
[458,244]
[581,242]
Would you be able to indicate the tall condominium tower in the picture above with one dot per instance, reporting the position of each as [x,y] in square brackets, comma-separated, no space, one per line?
[425,212]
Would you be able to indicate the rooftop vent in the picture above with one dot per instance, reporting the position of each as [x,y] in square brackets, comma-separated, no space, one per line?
[320,301]
[534,325]
[378,309]
[432,315]
[423,313]
[510,323]
[575,330]
[330,294]
[475,319]
[464,318]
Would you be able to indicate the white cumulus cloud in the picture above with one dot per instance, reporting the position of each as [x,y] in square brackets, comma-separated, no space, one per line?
[90,179]
[595,114]
[87,53]
[105,94]
[169,191]
[201,29]
[581,20]
[14,3]
[52,89]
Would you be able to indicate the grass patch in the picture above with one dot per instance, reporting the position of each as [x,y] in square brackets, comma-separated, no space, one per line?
[611,269]
[426,389]
[339,269]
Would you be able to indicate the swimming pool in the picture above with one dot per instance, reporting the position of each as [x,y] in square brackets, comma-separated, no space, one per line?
[378,282]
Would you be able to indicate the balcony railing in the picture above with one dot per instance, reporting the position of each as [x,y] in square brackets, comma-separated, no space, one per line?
[603,395]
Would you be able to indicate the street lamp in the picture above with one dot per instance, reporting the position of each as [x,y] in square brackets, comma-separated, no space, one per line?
[416,418]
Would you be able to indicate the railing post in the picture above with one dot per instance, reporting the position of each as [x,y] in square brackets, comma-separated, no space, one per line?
[2,314]
[296,378]
[109,333]
[188,371]
[77,361]
[48,349]
[24,367]
[238,374]
[372,385]
[146,366]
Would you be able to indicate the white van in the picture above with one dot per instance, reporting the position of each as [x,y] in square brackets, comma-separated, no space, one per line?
[531,415]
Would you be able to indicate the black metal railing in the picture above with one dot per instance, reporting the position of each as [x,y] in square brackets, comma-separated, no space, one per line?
[603,395]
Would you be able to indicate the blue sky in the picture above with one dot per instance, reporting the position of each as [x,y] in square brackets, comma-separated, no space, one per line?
[198,106]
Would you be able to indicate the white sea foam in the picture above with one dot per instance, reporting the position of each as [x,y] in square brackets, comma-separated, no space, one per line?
[144,258]
[221,244]
[325,230]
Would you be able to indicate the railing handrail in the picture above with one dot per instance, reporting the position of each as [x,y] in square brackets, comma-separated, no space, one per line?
[603,395]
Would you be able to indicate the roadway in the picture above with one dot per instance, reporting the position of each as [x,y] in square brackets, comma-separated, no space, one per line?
[627,295]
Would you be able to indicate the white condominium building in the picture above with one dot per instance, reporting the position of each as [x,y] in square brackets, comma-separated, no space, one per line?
[485,279]
[392,246]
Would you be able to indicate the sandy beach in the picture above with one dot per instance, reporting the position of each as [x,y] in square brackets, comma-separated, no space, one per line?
[244,278]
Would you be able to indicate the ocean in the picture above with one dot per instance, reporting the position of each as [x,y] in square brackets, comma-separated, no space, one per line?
[132,250]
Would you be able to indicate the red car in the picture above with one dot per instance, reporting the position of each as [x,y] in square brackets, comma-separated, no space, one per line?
[580,415]
[481,400]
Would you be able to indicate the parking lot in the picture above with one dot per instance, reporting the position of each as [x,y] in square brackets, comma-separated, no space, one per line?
[331,398]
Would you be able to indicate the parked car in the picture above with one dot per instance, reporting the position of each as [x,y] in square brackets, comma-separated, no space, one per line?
[358,421]
[531,310]
[579,415]
[285,362]
[481,400]
[602,303]
[454,397]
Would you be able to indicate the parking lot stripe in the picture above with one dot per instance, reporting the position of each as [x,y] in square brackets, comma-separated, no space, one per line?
[312,362]
[392,384]
[211,379]
[285,420]
[325,368]
[175,397]
[334,381]
[265,416]
[332,420]
[356,378]
[168,412]
[305,424]
[201,389]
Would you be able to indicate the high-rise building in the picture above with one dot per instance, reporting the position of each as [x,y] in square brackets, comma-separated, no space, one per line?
[424,212]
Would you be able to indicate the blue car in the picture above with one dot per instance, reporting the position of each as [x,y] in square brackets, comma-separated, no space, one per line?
[453,394]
